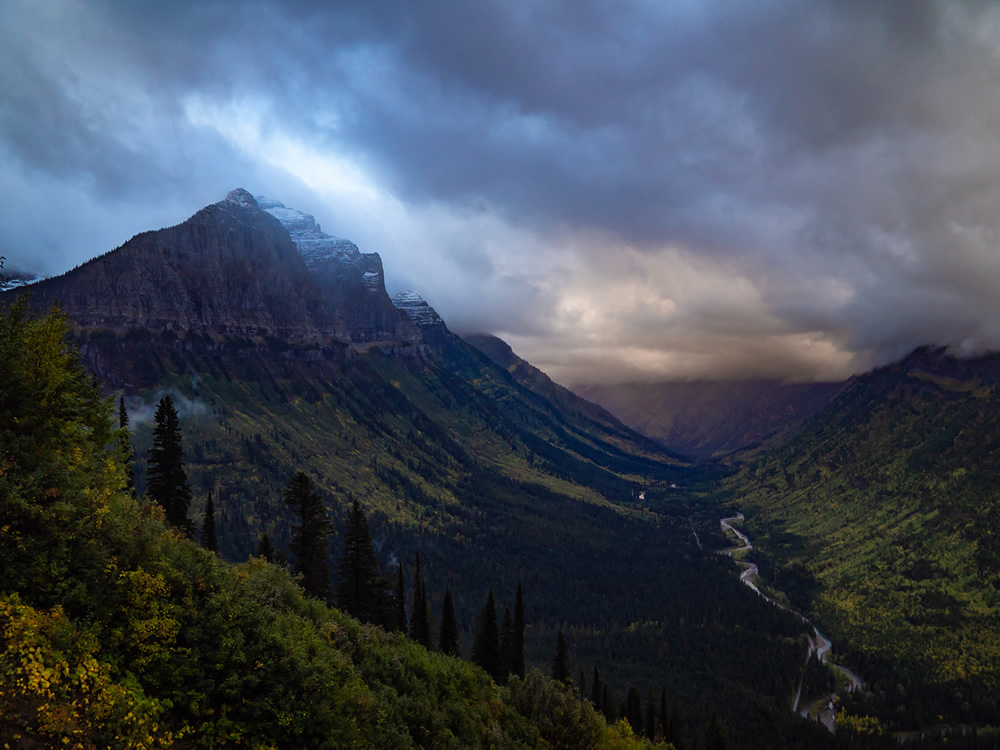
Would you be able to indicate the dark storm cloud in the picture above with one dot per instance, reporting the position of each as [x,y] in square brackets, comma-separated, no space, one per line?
[808,186]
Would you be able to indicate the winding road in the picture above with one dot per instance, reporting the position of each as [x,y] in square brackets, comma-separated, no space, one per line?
[823,708]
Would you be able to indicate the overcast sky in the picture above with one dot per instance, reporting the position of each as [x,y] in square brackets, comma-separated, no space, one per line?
[621,190]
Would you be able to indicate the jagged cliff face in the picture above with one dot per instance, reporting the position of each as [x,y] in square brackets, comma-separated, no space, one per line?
[352,282]
[245,267]
[229,269]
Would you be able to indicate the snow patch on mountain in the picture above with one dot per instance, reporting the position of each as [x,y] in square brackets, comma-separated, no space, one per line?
[417,309]
[242,197]
[315,246]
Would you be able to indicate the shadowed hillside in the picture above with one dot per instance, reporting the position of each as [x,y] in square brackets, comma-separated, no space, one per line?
[704,419]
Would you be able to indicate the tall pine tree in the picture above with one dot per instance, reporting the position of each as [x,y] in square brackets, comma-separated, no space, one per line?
[167,480]
[400,619]
[267,550]
[506,643]
[486,647]
[608,704]
[649,715]
[715,734]
[311,536]
[633,709]
[517,638]
[420,617]
[448,641]
[560,662]
[208,538]
[361,591]
[126,452]
[663,719]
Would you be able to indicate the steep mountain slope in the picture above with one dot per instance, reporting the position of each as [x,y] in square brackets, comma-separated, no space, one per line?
[231,269]
[595,418]
[883,517]
[706,418]
[117,633]
[352,282]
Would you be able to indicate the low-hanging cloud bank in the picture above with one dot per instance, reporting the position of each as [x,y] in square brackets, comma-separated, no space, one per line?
[622,190]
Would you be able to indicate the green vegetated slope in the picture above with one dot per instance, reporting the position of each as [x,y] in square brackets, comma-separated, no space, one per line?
[882,518]
[401,434]
[492,485]
[118,633]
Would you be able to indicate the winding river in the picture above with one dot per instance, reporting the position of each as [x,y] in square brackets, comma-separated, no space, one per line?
[823,708]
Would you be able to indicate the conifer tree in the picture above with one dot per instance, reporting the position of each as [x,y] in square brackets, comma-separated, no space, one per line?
[208,538]
[448,642]
[607,704]
[506,643]
[649,715]
[167,483]
[715,736]
[560,663]
[664,719]
[127,454]
[486,647]
[633,709]
[311,537]
[517,639]
[595,690]
[400,618]
[420,618]
[357,572]
[674,724]
[266,549]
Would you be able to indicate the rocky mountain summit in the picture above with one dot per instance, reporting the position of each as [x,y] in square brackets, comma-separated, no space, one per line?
[243,266]
[230,269]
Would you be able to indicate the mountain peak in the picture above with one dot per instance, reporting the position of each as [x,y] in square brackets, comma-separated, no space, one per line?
[243,197]
[230,269]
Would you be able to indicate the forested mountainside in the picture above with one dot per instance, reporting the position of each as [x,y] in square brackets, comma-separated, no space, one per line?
[709,418]
[119,633]
[882,518]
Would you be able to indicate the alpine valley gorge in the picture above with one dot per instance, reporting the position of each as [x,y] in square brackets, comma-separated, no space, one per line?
[477,484]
